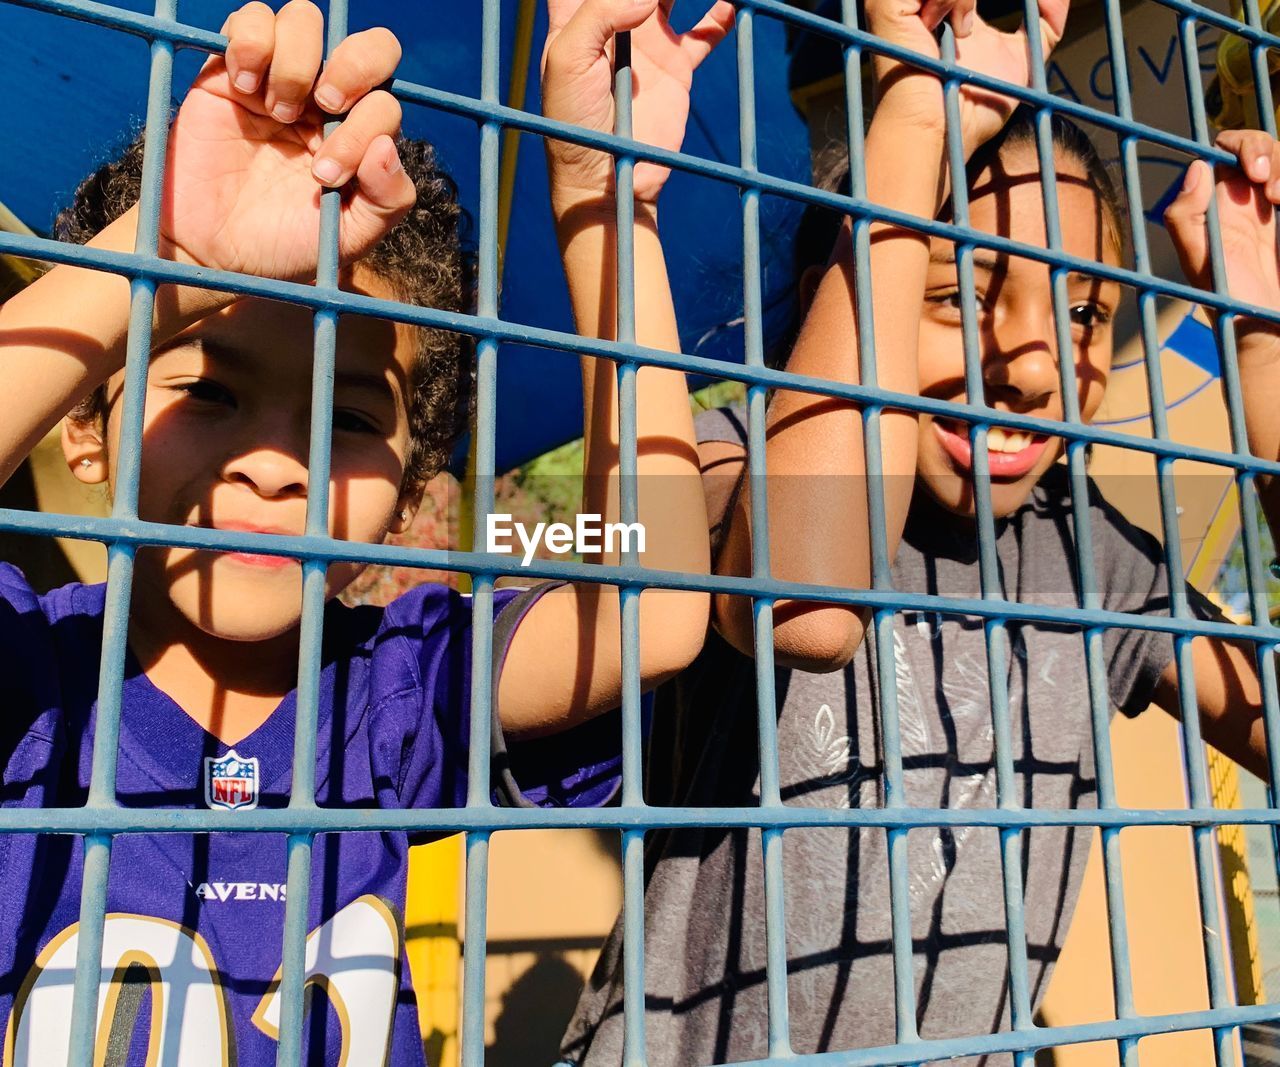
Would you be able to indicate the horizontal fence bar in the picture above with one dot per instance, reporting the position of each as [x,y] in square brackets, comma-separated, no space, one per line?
[486,111]
[139,532]
[479,326]
[130,265]
[939,1049]
[641,817]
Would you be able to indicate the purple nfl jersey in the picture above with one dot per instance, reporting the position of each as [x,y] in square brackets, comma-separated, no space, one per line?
[193,934]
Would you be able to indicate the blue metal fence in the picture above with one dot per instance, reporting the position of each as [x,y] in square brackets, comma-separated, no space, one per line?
[101,819]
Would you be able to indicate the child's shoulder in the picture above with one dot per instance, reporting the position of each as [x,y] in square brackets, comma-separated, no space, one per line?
[421,623]
[430,612]
[28,607]
[727,423]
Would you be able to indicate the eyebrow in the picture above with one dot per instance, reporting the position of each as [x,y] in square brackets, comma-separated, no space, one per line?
[367,381]
[990,262]
[982,259]
[237,358]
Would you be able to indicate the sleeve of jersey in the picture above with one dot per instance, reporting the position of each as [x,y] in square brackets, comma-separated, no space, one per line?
[580,767]
[1133,578]
[29,725]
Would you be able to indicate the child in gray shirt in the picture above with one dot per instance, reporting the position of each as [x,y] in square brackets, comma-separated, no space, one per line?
[704,952]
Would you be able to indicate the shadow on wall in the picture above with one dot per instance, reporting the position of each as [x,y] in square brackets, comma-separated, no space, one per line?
[535,1011]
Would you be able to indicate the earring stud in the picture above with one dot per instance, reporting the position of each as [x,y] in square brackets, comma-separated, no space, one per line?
[86,462]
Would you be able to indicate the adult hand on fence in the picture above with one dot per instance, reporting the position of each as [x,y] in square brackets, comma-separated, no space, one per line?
[248,159]
[1246,197]
[577,88]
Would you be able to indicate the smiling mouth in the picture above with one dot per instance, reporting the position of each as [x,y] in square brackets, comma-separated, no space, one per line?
[1010,453]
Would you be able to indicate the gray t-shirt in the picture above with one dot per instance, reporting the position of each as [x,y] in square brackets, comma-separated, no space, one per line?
[704,903]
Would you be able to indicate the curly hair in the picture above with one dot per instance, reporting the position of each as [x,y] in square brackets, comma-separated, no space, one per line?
[423,260]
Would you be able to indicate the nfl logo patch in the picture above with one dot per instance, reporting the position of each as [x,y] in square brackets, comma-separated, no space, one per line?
[231,782]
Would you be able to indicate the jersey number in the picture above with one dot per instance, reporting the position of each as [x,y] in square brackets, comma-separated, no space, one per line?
[353,957]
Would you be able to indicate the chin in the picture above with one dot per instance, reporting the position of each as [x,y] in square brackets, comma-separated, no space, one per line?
[955,494]
[240,607]
[247,627]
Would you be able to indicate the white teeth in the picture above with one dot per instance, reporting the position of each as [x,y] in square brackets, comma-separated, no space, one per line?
[1001,440]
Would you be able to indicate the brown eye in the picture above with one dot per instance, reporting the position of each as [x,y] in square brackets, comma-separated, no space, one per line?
[1089,315]
[352,422]
[207,392]
[951,300]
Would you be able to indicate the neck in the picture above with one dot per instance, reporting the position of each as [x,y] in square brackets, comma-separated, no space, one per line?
[229,687]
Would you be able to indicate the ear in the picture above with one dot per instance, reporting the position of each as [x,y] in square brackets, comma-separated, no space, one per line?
[406,508]
[85,451]
[810,279]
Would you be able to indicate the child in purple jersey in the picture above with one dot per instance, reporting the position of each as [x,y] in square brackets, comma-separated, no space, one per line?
[193,936]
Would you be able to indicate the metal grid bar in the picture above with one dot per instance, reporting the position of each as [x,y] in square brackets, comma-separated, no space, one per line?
[314,571]
[1259,609]
[120,559]
[996,635]
[482,695]
[477,325]
[1205,841]
[477,563]
[897,841]
[634,1051]
[762,608]
[124,533]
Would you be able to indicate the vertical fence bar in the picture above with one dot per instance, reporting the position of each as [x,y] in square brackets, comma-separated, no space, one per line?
[1205,837]
[767,717]
[1077,461]
[1247,482]
[475,931]
[311,633]
[633,1053]
[897,839]
[995,633]
[120,558]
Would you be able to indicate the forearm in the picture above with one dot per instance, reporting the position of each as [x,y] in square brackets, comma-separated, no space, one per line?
[66,333]
[671,508]
[817,491]
[1259,360]
[670,504]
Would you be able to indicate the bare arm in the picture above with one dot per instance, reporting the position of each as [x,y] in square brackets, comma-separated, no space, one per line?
[1228,693]
[65,334]
[1228,696]
[817,489]
[564,663]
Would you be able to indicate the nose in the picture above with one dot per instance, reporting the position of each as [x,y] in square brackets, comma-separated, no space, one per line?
[268,471]
[1021,366]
